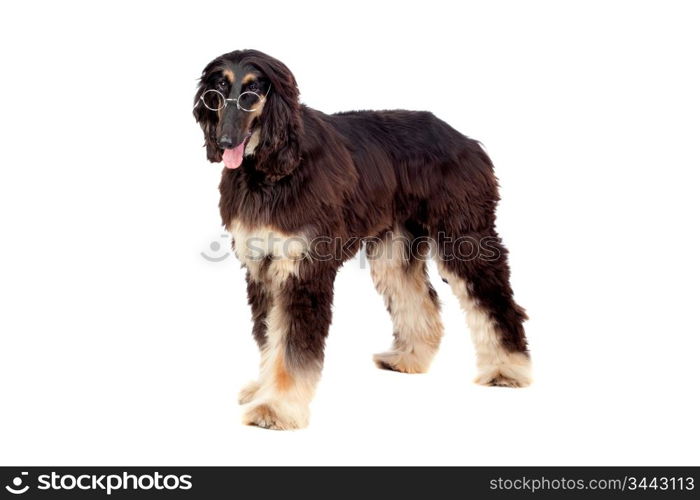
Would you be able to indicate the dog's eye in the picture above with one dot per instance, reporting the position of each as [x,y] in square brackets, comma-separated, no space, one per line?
[254,86]
[221,85]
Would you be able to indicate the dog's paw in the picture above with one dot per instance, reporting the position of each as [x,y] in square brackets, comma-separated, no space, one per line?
[248,392]
[515,373]
[401,362]
[501,380]
[267,416]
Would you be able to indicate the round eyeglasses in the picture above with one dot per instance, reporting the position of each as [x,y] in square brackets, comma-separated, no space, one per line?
[247,101]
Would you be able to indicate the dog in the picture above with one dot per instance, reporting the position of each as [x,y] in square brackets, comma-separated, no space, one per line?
[303,191]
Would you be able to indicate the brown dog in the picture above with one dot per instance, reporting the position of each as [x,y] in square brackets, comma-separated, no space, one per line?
[303,190]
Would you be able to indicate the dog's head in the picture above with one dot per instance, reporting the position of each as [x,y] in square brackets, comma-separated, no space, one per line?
[247,104]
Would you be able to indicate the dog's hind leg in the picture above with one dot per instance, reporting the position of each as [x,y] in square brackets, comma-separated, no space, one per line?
[296,322]
[481,282]
[399,273]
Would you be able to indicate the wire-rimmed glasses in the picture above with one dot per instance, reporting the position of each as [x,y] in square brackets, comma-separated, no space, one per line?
[248,101]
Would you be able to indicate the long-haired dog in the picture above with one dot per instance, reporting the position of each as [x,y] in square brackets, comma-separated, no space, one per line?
[302,192]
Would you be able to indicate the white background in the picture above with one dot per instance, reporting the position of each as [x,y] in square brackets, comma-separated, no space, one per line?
[121,345]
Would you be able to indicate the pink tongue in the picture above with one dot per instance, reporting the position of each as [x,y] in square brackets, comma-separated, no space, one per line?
[234,157]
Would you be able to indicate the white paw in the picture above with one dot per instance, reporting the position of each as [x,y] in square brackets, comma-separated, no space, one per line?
[401,362]
[513,372]
[271,416]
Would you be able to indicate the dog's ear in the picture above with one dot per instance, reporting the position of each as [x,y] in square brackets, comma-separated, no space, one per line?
[278,154]
[281,127]
[207,119]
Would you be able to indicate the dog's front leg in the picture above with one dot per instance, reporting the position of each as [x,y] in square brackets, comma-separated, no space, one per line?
[260,301]
[297,324]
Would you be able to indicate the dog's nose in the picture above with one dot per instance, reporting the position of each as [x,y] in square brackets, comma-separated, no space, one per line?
[225,142]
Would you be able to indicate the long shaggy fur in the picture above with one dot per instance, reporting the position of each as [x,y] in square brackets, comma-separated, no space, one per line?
[339,180]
